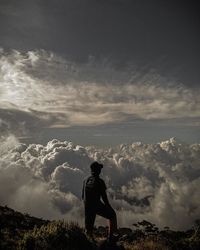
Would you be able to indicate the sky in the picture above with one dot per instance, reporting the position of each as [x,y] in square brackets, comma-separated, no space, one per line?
[100,72]
[115,81]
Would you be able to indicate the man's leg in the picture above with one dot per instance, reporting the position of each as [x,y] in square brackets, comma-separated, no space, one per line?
[89,220]
[112,224]
[108,213]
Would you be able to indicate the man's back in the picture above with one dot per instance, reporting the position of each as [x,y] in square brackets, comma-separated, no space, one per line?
[93,187]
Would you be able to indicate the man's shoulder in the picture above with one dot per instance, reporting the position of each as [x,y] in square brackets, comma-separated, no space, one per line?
[101,180]
[87,178]
[102,183]
[98,179]
[94,179]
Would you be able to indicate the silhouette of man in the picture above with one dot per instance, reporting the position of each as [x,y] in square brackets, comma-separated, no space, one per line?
[94,190]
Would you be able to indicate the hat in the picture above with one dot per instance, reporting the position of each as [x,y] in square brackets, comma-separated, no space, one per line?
[95,165]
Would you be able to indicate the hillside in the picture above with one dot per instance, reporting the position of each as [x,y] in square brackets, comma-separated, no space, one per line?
[22,231]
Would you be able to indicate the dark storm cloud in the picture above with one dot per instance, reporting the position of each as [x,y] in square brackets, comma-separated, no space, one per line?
[160,34]
[26,123]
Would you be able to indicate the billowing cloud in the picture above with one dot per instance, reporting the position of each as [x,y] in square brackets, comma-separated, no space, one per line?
[157,182]
[52,91]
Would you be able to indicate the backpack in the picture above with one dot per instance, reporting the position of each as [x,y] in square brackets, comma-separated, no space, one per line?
[92,189]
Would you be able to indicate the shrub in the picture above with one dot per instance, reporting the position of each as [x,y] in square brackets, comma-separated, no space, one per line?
[55,235]
[149,243]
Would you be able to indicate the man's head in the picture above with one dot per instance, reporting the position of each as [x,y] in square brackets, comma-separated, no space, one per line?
[96,168]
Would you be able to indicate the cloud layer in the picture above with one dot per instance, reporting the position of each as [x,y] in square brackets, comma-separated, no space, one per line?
[55,92]
[157,182]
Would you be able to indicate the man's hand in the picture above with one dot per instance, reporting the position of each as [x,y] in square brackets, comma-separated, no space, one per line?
[105,198]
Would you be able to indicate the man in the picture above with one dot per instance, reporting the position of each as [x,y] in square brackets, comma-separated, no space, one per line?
[94,189]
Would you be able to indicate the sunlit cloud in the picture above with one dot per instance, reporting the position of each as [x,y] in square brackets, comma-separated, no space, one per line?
[157,182]
[92,93]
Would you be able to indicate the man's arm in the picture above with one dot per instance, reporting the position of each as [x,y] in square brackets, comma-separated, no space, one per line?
[105,198]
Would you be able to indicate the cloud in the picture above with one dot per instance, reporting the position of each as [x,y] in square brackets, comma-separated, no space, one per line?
[22,123]
[158,182]
[73,175]
[60,93]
